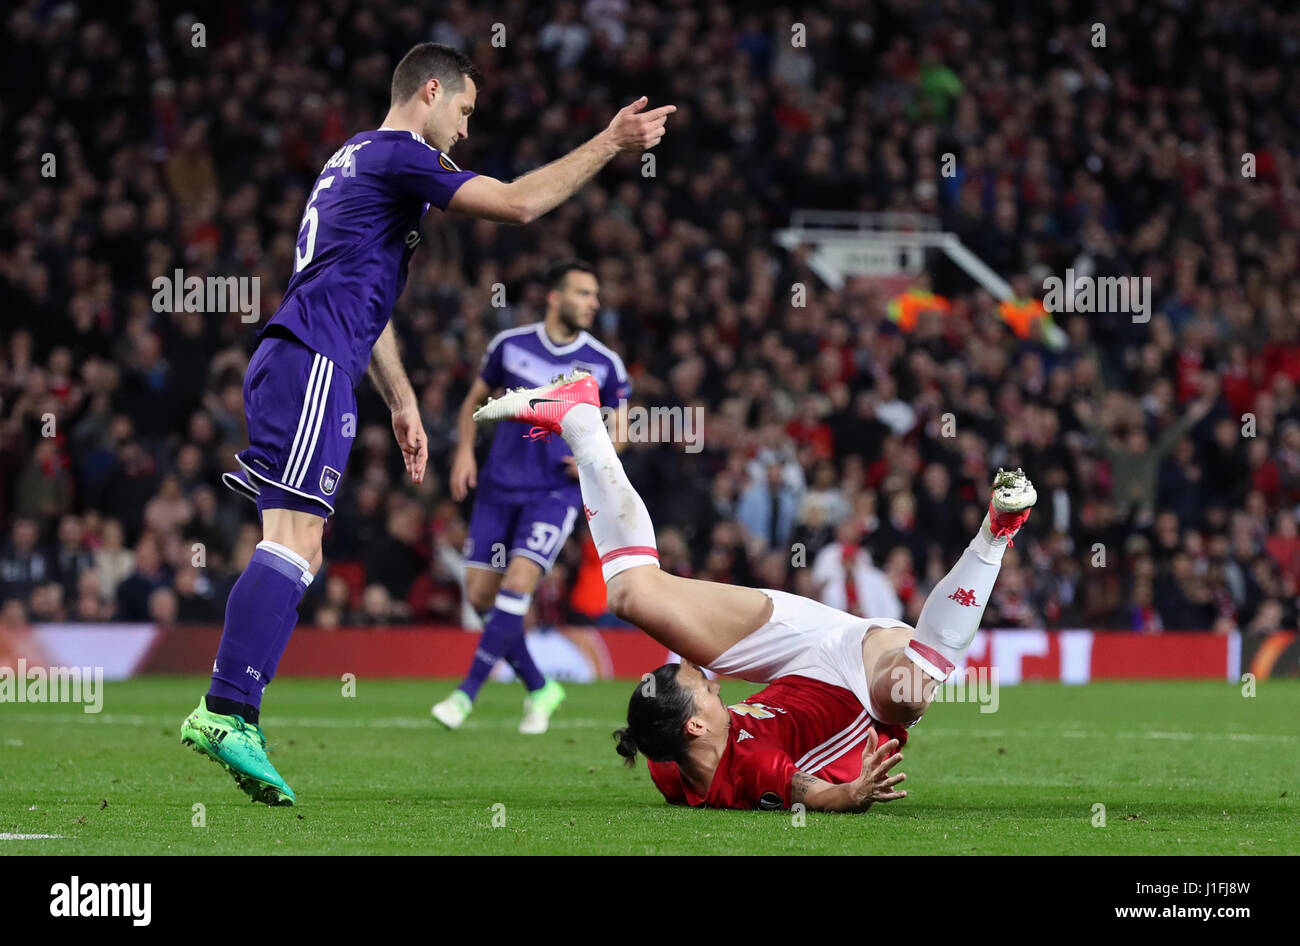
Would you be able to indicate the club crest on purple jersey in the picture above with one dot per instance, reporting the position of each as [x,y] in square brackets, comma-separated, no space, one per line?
[329,480]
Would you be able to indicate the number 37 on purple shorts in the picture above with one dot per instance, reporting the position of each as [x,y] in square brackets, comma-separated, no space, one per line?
[533,525]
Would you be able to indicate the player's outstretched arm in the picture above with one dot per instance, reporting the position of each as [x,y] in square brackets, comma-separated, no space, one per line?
[873,785]
[390,380]
[537,192]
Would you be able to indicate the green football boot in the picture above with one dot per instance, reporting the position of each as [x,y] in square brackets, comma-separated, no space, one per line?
[538,707]
[240,749]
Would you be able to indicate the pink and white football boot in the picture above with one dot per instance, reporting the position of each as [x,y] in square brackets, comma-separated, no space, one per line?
[544,407]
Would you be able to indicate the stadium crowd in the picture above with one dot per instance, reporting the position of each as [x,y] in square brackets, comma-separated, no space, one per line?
[843,456]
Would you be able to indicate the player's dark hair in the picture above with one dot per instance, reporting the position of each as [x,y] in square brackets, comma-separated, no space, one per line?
[656,714]
[432,61]
[559,271]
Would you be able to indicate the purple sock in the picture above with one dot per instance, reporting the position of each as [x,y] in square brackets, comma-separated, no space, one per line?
[504,624]
[260,615]
[521,661]
[271,661]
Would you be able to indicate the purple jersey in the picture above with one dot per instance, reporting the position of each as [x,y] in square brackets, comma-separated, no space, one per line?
[526,358]
[358,232]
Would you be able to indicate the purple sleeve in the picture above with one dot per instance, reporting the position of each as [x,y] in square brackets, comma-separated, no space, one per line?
[492,371]
[618,386]
[426,173]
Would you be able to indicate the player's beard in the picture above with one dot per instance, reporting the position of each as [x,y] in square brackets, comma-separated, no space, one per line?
[570,321]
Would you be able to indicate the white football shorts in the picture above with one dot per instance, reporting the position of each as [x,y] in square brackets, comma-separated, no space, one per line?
[806,638]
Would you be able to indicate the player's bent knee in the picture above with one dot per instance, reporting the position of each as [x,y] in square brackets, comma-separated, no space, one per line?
[481,588]
[618,596]
[522,576]
[621,596]
[630,593]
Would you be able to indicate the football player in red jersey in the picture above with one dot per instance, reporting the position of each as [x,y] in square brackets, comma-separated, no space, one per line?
[843,689]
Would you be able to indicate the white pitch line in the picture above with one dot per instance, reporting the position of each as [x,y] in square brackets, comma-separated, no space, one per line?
[307,722]
[29,837]
[427,722]
[1103,734]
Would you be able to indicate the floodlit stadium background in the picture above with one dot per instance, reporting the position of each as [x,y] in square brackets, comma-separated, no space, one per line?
[836,416]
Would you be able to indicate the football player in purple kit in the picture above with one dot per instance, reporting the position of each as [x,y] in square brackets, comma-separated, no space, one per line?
[528,497]
[358,231]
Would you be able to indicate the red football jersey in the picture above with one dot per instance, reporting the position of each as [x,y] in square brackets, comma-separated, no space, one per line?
[794,724]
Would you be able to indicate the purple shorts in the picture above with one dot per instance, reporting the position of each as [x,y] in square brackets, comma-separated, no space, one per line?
[301,413]
[533,525]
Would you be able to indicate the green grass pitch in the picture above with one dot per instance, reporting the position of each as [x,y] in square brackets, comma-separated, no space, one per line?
[1181,768]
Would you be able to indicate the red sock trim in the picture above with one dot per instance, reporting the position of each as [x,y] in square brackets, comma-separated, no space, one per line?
[932,655]
[630,550]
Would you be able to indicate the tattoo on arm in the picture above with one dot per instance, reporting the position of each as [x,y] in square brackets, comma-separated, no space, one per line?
[799,786]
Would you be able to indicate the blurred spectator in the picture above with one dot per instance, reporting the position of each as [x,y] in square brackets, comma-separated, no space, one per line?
[193,600]
[113,562]
[91,605]
[162,607]
[1121,436]
[379,608]
[336,609]
[71,558]
[46,603]
[1010,604]
[845,577]
[394,560]
[767,507]
[45,487]
[23,565]
[1284,546]
[1182,599]
[134,594]
[13,616]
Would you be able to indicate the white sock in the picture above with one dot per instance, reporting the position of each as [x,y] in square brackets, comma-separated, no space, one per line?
[619,523]
[986,546]
[953,610]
